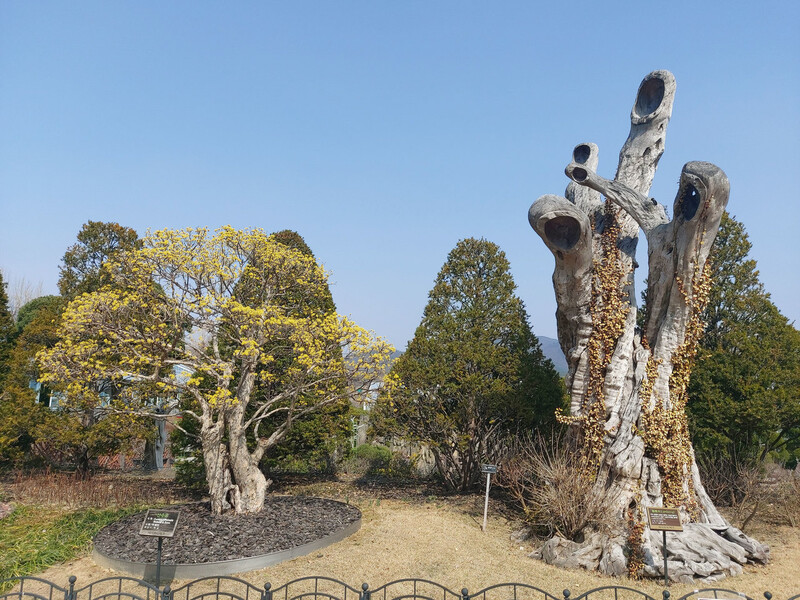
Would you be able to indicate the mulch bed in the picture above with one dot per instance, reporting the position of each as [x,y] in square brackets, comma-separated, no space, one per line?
[285,522]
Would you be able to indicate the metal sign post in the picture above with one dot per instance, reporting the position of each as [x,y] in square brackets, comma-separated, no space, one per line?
[664,520]
[160,523]
[488,469]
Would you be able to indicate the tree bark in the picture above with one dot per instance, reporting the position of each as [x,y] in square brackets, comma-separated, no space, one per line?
[235,480]
[221,490]
[628,387]
[252,483]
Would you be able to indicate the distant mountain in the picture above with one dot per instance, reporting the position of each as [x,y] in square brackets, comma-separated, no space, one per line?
[552,350]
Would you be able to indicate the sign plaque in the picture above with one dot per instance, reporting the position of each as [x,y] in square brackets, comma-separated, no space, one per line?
[489,470]
[159,522]
[663,519]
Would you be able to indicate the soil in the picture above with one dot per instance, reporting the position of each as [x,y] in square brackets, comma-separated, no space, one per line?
[285,522]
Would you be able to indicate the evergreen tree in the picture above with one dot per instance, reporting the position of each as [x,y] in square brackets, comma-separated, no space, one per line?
[81,270]
[29,310]
[315,438]
[745,386]
[293,240]
[7,331]
[473,372]
[737,295]
[22,409]
[78,426]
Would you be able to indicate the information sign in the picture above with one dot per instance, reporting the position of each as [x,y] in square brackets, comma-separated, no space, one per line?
[159,522]
[664,519]
[488,468]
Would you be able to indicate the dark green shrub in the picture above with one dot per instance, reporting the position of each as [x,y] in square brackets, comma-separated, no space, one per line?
[376,460]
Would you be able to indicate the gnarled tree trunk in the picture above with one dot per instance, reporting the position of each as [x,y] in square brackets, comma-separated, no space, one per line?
[235,480]
[628,387]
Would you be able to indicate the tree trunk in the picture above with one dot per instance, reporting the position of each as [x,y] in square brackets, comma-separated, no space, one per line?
[251,482]
[149,458]
[83,466]
[217,461]
[160,443]
[235,480]
[628,387]
[154,448]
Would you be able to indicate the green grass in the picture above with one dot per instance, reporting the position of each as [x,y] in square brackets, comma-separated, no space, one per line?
[34,538]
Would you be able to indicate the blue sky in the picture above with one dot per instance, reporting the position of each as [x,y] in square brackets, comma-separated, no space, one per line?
[383,132]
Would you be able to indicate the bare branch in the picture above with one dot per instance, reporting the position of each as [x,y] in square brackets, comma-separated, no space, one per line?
[648,213]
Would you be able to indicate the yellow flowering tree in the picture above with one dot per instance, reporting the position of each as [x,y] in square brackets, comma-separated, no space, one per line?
[179,320]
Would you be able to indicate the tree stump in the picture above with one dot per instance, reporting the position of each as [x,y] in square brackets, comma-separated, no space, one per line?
[628,385]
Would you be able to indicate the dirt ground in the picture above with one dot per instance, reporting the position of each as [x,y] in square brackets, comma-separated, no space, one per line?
[414,535]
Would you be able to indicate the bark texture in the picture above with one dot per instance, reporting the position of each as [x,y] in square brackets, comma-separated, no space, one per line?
[628,386]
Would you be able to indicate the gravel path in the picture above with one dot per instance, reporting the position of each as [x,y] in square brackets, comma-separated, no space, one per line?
[286,522]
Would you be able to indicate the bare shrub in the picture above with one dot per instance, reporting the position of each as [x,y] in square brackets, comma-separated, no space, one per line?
[750,490]
[738,485]
[546,477]
[20,292]
[787,505]
[65,490]
[725,478]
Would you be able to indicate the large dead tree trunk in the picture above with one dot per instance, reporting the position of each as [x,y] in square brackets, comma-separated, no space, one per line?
[628,387]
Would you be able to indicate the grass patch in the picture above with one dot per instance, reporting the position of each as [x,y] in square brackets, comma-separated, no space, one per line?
[57,515]
[34,538]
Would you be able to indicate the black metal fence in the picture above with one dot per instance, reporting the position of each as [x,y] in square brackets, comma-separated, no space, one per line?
[325,588]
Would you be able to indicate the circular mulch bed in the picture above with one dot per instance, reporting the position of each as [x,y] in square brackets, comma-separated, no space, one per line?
[285,523]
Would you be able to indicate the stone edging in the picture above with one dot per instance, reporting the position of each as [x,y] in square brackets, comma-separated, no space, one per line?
[224,567]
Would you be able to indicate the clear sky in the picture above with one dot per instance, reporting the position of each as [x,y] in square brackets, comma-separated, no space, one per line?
[383,132]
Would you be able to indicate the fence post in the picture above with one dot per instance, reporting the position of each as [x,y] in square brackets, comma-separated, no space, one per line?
[464,594]
[70,595]
[665,594]
[365,593]
[566,594]
[267,593]
[767,595]
[166,593]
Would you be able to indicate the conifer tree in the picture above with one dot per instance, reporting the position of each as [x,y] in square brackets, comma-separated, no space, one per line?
[314,439]
[745,387]
[81,267]
[473,372]
[7,331]
[21,413]
[28,311]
